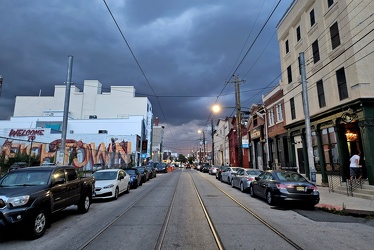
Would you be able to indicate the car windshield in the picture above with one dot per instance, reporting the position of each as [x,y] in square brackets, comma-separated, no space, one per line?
[161,165]
[254,172]
[130,171]
[105,175]
[26,178]
[289,176]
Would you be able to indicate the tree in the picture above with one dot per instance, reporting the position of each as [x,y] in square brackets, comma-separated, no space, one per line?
[182,158]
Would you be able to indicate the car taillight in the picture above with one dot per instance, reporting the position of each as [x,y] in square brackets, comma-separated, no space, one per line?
[314,188]
[250,178]
[283,186]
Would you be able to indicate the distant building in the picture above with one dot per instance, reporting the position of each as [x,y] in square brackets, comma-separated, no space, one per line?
[157,141]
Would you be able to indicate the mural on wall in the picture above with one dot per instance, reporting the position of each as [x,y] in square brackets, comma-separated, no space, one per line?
[81,154]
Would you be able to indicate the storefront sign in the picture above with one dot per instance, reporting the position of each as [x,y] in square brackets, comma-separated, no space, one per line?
[348,117]
[255,134]
[26,132]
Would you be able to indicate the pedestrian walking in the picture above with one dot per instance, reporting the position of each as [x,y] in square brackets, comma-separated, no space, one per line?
[355,168]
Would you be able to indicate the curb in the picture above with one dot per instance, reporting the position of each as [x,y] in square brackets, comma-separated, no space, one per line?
[353,212]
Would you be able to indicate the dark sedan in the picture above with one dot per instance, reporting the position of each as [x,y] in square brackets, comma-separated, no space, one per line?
[161,168]
[152,171]
[135,177]
[144,172]
[277,186]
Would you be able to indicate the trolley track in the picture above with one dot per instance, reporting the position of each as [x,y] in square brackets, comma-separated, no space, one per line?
[248,210]
[166,220]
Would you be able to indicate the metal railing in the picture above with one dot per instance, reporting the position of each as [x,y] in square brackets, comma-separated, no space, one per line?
[335,179]
[354,184]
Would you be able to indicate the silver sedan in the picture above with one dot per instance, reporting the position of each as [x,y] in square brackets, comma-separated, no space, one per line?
[243,178]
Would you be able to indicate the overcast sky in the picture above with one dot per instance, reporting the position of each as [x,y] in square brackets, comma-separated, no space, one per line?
[182,54]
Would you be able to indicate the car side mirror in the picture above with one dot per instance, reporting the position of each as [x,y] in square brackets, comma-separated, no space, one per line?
[59,181]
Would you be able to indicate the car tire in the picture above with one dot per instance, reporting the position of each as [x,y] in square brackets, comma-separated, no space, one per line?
[269,197]
[116,193]
[84,203]
[251,191]
[242,187]
[128,188]
[38,224]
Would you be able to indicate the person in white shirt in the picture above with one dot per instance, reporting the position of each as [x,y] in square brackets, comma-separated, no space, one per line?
[355,170]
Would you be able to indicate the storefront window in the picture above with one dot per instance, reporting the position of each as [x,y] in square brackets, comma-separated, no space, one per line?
[330,149]
[317,162]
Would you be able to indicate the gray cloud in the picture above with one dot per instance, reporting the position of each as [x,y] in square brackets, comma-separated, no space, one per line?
[187,49]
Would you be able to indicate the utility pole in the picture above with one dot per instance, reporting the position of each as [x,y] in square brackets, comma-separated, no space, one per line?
[1,83]
[66,110]
[204,146]
[312,170]
[237,82]
[212,143]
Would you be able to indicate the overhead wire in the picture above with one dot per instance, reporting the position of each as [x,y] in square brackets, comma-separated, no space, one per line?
[137,62]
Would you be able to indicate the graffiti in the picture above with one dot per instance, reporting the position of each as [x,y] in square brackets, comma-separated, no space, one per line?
[82,154]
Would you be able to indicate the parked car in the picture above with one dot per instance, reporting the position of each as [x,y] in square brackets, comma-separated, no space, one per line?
[219,172]
[213,170]
[152,171]
[243,178]
[110,183]
[145,173]
[17,165]
[228,173]
[135,177]
[205,168]
[29,196]
[161,168]
[278,186]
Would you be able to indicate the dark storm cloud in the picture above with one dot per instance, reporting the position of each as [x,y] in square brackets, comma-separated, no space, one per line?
[187,49]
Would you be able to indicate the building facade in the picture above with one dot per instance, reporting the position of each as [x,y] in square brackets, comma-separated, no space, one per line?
[221,142]
[91,103]
[276,134]
[110,142]
[336,39]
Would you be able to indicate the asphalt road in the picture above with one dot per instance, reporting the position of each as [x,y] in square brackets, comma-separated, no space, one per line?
[167,213]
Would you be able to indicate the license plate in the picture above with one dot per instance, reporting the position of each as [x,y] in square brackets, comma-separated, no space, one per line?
[299,188]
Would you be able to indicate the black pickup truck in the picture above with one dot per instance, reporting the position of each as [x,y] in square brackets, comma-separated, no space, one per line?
[29,196]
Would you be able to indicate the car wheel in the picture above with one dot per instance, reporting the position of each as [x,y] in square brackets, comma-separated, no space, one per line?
[269,198]
[116,192]
[242,187]
[84,204]
[251,191]
[38,224]
[128,188]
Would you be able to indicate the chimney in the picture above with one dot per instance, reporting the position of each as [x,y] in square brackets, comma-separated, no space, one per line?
[156,121]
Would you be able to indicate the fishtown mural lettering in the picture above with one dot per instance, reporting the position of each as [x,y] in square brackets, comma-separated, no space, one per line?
[81,153]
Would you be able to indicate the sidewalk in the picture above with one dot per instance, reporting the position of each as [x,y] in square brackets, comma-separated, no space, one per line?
[339,202]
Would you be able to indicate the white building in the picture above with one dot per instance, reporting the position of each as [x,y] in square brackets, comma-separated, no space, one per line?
[92,102]
[95,117]
[91,139]
[157,141]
